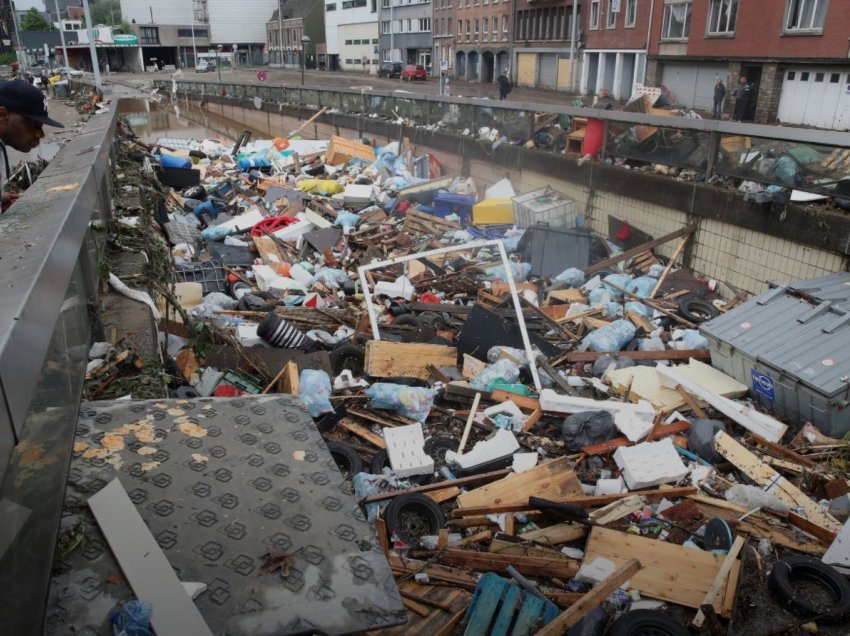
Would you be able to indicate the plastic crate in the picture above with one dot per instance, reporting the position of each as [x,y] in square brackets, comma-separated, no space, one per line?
[546,206]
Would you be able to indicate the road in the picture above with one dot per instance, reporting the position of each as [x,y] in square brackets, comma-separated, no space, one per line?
[353,80]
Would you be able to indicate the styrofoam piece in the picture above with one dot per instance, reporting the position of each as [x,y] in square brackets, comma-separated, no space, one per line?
[840,505]
[193,589]
[610,486]
[573,553]
[263,275]
[355,194]
[244,221]
[294,230]
[346,380]
[501,444]
[247,335]
[511,410]
[406,450]
[597,571]
[94,364]
[401,288]
[99,350]
[754,421]
[502,189]
[317,219]
[633,420]
[524,462]
[209,380]
[650,464]
[838,554]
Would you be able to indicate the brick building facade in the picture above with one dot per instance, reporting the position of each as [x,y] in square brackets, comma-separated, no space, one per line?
[443,29]
[542,30]
[481,38]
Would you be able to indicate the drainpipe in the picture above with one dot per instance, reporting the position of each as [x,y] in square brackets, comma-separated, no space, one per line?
[280,32]
[648,37]
[511,59]
[61,34]
[573,48]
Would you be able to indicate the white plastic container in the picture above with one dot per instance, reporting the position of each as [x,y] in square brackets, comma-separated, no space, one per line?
[545,206]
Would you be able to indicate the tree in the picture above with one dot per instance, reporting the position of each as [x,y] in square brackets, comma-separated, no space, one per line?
[106,12]
[34,21]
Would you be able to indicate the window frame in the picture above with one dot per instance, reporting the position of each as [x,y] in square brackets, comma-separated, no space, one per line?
[610,17]
[686,26]
[788,30]
[712,22]
[633,4]
[594,8]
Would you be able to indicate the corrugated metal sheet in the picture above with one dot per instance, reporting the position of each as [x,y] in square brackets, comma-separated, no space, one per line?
[835,288]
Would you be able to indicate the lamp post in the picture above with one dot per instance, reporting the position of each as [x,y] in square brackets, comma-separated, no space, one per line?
[218,61]
[305,40]
[235,54]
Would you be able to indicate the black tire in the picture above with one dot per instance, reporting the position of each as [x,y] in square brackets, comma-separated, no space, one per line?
[351,357]
[406,319]
[697,310]
[790,570]
[436,447]
[380,460]
[346,457]
[433,319]
[633,345]
[644,622]
[416,503]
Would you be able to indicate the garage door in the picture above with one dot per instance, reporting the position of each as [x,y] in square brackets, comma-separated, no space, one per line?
[692,85]
[526,69]
[548,70]
[816,97]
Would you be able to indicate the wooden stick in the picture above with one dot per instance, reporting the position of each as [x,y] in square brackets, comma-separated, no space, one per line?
[720,579]
[306,123]
[667,269]
[496,474]
[275,380]
[363,433]
[415,607]
[426,601]
[654,305]
[468,427]
[592,599]
[691,402]
[475,538]
[598,267]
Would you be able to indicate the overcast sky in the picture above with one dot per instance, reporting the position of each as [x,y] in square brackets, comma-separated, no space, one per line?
[23,5]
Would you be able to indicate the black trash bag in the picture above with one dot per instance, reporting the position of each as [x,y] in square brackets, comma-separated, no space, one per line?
[584,429]
[701,439]
[601,364]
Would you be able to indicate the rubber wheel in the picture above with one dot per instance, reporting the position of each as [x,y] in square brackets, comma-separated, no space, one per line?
[346,458]
[643,622]
[792,570]
[436,447]
[413,511]
[406,319]
[433,319]
[349,356]
[697,310]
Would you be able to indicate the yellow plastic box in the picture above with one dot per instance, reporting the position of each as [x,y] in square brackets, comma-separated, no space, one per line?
[493,212]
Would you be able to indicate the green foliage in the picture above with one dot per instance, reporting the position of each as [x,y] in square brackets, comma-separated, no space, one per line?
[34,21]
[106,12]
[8,58]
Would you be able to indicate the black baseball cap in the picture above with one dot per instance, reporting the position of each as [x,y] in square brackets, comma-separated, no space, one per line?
[21,97]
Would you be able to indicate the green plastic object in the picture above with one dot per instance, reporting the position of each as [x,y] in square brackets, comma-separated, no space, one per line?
[519,389]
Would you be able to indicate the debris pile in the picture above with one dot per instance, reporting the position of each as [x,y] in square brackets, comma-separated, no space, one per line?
[527,412]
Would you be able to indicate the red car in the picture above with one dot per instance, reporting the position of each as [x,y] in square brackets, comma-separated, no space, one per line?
[412,72]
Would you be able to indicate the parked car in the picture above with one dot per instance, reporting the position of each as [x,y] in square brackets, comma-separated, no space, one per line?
[67,70]
[414,72]
[205,66]
[390,69]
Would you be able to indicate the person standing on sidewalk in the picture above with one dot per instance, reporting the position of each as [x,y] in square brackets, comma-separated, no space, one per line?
[504,85]
[742,99]
[719,96]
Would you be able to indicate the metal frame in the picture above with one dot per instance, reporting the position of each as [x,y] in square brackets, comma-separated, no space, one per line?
[370,307]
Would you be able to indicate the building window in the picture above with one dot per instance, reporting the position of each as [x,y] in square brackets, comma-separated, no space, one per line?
[385,26]
[468,30]
[722,16]
[149,35]
[425,24]
[805,15]
[677,21]
[594,14]
[187,33]
[385,4]
[459,28]
[631,13]
[476,29]
[834,78]
[349,4]
[504,27]
[611,18]
[330,7]
[485,30]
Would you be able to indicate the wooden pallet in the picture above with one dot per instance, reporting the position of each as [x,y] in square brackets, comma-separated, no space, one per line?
[437,619]
[422,223]
[499,608]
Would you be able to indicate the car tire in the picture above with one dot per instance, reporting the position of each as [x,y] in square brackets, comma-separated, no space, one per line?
[436,447]
[786,572]
[348,356]
[433,319]
[644,622]
[417,503]
[697,310]
[346,457]
[406,319]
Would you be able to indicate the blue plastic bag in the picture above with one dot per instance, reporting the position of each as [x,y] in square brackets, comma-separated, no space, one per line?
[502,370]
[642,286]
[620,280]
[132,619]
[612,337]
[572,276]
[639,308]
[346,219]
[411,401]
[314,388]
[331,277]
[610,310]
[520,272]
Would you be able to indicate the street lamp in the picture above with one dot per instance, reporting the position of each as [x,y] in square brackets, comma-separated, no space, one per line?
[305,40]
[218,61]
[235,54]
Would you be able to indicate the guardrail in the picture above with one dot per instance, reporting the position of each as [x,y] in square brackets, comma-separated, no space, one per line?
[51,242]
[707,146]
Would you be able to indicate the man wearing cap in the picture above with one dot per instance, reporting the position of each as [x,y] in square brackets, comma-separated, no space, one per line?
[23,112]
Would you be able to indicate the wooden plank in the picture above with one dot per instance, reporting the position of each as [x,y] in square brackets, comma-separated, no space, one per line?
[719,582]
[270,252]
[591,599]
[462,481]
[775,484]
[670,572]
[639,321]
[386,359]
[662,430]
[341,150]
[484,535]
[521,401]
[452,601]
[145,566]
[504,547]
[670,354]
[554,480]
[691,402]
[530,566]
[618,509]
[635,251]
[444,495]
[679,249]
[556,534]
[363,433]
[784,452]
[415,607]
[290,382]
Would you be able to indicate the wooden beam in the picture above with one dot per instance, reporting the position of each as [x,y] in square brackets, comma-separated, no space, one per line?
[662,430]
[363,433]
[691,402]
[530,566]
[462,481]
[719,583]
[386,359]
[670,354]
[591,599]
[623,256]
[468,427]
[679,249]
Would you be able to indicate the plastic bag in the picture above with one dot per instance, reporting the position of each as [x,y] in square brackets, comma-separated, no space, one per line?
[314,388]
[651,344]
[320,186]
[655,270]
[620,280]
[411,401]
[610,309]
[584,429]
[502,370]
[132,619]
[639,308]
[642,286]
[602,294]
[221,300]
[612,337]
[701,439]
[692,339]
[331,277]
[572,276]
[520,272]
[346,219]
[601,364]
[752,497]
[494,353]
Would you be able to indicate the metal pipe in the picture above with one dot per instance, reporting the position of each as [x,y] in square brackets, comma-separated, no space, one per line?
[61,33]
[573,47]
[194,46]
[92,49]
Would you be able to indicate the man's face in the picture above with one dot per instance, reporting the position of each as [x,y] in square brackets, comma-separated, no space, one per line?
[21,133]
[742,80]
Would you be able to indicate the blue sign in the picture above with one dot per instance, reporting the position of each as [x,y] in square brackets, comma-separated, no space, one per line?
[763,385]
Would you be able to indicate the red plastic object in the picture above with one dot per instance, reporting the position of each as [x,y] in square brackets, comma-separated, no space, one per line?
[430,299]
[403,206]
[272,224]
[232,278]
[593,137]
[227,390]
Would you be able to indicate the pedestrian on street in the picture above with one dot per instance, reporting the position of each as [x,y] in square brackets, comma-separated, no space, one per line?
[719,96]
[23,111]
[742,99]
[504,85]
